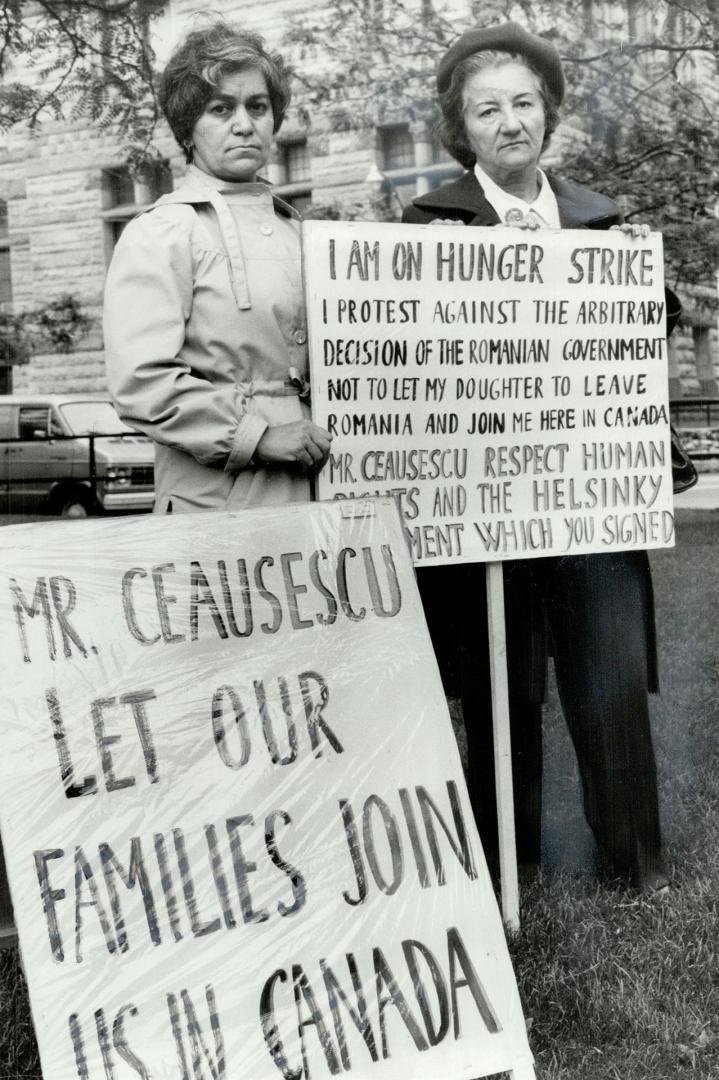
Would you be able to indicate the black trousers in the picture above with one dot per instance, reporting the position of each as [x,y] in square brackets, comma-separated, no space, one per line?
[594,613]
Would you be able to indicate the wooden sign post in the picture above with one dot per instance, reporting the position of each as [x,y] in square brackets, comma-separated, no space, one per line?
[502,746]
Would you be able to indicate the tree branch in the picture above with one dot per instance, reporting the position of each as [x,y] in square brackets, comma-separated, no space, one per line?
[624,48]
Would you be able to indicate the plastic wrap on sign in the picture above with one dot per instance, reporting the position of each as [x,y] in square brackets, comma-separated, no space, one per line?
[238,838]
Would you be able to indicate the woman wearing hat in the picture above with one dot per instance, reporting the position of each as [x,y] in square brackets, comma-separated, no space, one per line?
[205,327]
[499,90]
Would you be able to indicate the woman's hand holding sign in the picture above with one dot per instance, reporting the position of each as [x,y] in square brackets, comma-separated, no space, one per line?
[301,441]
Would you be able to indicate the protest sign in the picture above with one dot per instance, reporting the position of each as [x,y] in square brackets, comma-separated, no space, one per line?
[237,833]
[508,388]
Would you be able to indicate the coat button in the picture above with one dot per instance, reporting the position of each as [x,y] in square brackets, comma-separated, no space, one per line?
[300,336]
[266,230]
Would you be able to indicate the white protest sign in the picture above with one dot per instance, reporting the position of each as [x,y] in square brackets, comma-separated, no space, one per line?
[508,388]
[236,828]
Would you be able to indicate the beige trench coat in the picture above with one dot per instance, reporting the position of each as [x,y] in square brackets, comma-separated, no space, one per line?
[205,340]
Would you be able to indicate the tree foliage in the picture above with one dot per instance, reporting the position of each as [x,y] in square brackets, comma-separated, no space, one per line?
[80,59]
[56,325]
[642,102]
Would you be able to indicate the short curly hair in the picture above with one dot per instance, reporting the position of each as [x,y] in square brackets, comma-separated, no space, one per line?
[200,63]
[452,130]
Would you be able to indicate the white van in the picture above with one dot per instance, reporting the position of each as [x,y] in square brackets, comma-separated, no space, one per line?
[70,454]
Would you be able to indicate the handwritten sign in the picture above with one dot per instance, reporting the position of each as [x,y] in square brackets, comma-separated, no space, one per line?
[508,388]
[237,833]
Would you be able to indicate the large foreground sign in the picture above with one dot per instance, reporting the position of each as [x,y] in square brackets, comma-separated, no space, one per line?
[237,833]
[508,388]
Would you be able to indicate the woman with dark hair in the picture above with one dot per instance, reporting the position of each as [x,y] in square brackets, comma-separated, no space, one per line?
[500,89]
[205,328]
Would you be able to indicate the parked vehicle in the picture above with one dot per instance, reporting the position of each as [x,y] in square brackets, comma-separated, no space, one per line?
[70,454]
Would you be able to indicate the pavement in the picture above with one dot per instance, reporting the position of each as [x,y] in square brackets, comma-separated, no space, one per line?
[703,496]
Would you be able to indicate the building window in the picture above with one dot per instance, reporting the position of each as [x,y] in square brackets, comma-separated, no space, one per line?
[412,162]
[588,16]
[299,202]
[291,174]
[640,20]
[704,361]
[297,163]
[5,273]
[5,289]
[125,194]
[120,187]
[440,155]
[679,25]
[397,147]
[604,20]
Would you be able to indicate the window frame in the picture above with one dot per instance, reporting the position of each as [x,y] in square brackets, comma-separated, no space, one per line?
[114,214]
[289,190]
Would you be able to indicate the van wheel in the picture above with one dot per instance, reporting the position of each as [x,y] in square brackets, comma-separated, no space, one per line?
[73,508]
[71,502]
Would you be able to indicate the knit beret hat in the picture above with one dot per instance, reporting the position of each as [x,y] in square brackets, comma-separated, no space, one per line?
[507,37]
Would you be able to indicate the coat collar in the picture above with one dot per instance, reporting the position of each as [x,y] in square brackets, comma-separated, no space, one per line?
[195,191]
[579,207]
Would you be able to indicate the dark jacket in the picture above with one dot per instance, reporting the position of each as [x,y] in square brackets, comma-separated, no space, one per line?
[463,200]
[579,208]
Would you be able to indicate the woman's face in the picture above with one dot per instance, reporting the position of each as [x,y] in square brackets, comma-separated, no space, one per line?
[232,137]
[504,119]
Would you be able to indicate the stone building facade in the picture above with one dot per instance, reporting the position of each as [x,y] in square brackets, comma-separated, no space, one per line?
[65,193]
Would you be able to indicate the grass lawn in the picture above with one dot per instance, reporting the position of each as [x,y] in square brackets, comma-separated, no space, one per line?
[619,988]
[614,987]
[624,989]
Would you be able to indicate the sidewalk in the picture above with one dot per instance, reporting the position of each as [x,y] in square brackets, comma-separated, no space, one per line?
[703,496]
